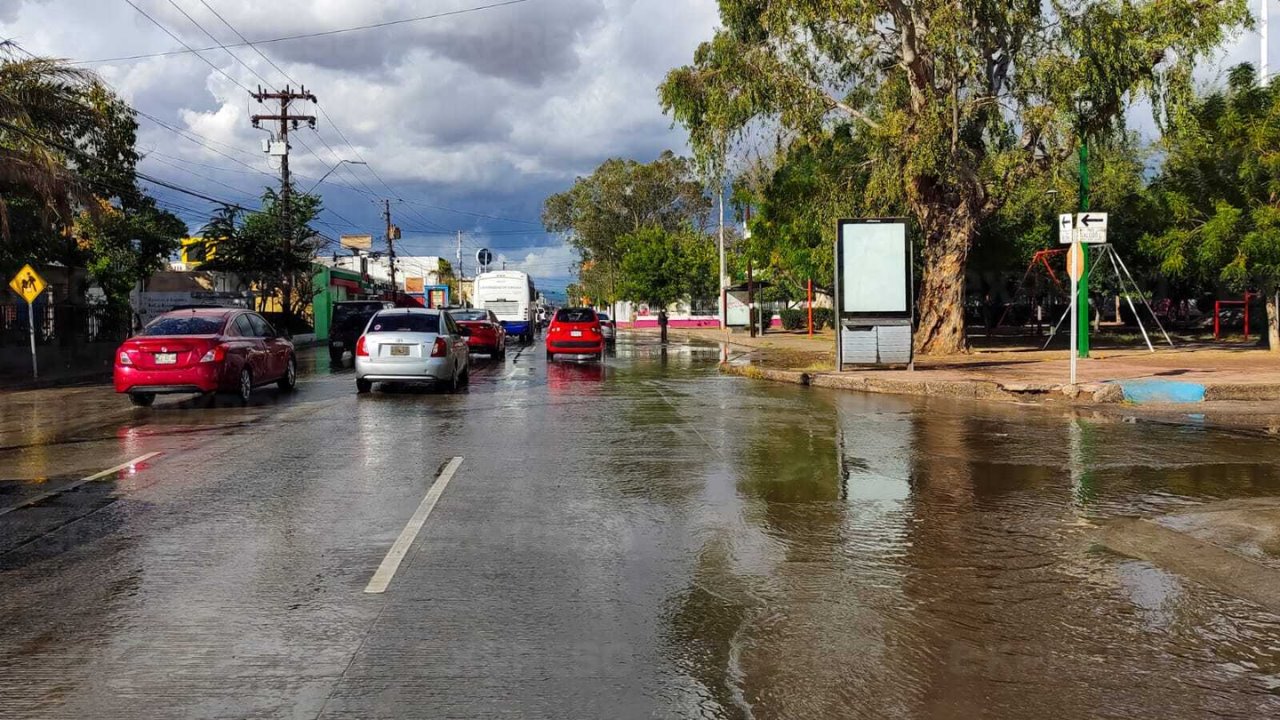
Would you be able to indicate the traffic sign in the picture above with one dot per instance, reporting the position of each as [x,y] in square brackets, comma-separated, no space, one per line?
[28,284]
[1066,224]
[1092,227]
[484,256]
[1075,261]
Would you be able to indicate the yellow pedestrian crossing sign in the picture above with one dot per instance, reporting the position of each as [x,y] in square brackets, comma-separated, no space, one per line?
[28,284]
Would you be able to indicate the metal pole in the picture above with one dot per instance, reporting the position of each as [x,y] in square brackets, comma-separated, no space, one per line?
[31,327]
[1246,316]
[751,299]
[1082,287]
[810,307]
[1075,333]
[1142,297]
[1128,298]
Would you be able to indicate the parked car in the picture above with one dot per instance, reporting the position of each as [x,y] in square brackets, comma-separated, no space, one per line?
[487,334]
[204,351]
[412,345]
[575,331]
[608,327]
[348,321]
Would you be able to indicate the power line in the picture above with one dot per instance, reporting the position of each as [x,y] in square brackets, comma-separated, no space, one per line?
[185,45]
[303,36]
[251,45]
[225,49]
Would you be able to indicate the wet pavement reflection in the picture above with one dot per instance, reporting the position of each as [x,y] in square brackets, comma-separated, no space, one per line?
[639,538]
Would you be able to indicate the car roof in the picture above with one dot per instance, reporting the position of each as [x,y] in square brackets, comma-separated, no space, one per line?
[204,312]
[410,311]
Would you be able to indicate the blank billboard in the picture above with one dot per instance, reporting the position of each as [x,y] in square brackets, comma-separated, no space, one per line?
[875,274]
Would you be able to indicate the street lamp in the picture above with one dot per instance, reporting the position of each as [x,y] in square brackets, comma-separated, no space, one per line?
[335,167]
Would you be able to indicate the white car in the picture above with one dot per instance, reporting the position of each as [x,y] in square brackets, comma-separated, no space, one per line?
[412,345]
[608,328]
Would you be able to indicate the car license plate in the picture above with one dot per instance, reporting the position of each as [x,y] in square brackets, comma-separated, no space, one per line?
[575,333]
[337,343]
[166,358]
[399,351]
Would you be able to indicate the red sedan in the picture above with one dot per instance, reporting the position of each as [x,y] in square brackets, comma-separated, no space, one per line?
[204,351]
[575,331]
[487,334]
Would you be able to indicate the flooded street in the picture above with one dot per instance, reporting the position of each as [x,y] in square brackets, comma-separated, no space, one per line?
[644,539]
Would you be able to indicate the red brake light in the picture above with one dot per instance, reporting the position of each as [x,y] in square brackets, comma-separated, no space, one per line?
[439,349]
[361,350]
[215,354]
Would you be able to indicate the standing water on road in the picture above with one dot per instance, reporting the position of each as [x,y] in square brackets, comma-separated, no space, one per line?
[643,538]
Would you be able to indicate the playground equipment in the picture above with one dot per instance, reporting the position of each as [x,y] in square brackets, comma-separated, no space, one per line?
[1217,314]
[1108,252]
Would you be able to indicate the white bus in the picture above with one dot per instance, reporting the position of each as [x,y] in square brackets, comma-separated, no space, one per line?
[511,296]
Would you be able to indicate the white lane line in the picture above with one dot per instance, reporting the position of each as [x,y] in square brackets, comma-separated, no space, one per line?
[96,476]
[391,563]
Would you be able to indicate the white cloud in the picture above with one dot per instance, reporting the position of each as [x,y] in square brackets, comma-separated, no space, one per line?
[486,111]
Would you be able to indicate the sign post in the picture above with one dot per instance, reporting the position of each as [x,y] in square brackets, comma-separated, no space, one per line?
[29,285]
[1076,270]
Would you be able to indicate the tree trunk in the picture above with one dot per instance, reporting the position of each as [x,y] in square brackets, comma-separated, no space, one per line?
[941,329]
[1273,320]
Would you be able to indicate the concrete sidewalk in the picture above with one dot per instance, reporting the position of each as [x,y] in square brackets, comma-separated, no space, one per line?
[1190,374]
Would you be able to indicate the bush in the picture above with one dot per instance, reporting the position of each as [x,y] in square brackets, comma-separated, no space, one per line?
[794,319]
[821,318]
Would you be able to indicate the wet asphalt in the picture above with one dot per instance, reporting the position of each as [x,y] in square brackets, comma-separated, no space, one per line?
[643,539]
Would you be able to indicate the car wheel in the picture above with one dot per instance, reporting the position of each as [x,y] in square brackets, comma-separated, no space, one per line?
[466,377]
[500,352]
[454,382]
[290,379]
[335,355]
[142,399]
[363,386]
[550,356]
[244,388]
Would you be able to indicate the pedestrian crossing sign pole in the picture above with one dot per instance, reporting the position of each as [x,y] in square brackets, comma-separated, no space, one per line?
[28,284]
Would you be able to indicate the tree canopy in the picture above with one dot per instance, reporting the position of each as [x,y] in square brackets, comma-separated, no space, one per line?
[1218,192]
[960,103]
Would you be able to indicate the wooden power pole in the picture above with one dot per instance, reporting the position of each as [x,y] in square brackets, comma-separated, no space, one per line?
[285,119]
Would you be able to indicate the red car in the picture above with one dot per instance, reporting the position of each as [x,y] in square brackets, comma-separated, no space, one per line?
[575,331]
[487,334]
[204,351]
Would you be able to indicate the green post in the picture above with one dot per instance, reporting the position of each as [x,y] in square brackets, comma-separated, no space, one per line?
[1082,287]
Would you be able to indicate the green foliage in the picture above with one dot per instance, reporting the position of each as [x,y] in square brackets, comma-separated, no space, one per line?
[959,105]
[621,198]
[660,267]
[272,249]
[1219,187]
[121,247]
[793,319]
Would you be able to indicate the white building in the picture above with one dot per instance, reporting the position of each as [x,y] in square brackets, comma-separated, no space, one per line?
[378,268]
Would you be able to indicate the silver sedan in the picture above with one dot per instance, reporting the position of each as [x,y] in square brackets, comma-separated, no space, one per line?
[412,345]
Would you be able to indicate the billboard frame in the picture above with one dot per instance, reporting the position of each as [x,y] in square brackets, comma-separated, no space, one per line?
[843,318]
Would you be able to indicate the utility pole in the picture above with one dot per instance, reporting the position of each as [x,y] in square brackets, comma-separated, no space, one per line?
[285,118]
[751,299]
[393,234]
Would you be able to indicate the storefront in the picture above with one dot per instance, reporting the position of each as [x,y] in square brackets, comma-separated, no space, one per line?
[333,285]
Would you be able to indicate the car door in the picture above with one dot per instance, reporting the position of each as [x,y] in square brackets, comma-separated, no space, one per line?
[457,342]
[275,350]
[242,350]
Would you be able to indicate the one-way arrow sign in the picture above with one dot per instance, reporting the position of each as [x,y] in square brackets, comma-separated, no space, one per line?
[1066,223]
[1092,227]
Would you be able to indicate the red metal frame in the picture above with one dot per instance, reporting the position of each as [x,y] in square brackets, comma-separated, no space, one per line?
[1217,314]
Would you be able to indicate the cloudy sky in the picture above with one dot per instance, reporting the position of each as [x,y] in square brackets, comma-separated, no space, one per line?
[468,120]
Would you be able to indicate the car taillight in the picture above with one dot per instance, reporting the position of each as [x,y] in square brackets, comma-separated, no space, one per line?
[215,354]
[595,330]
[124,358]
[361,349]
[439,349]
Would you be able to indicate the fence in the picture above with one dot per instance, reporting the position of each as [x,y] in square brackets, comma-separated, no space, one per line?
[62,324]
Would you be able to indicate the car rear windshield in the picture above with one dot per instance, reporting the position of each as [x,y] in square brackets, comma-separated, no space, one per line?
[575,315]
[345,314]
[188,325]
[469,314]
[604,317]
[405,322]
